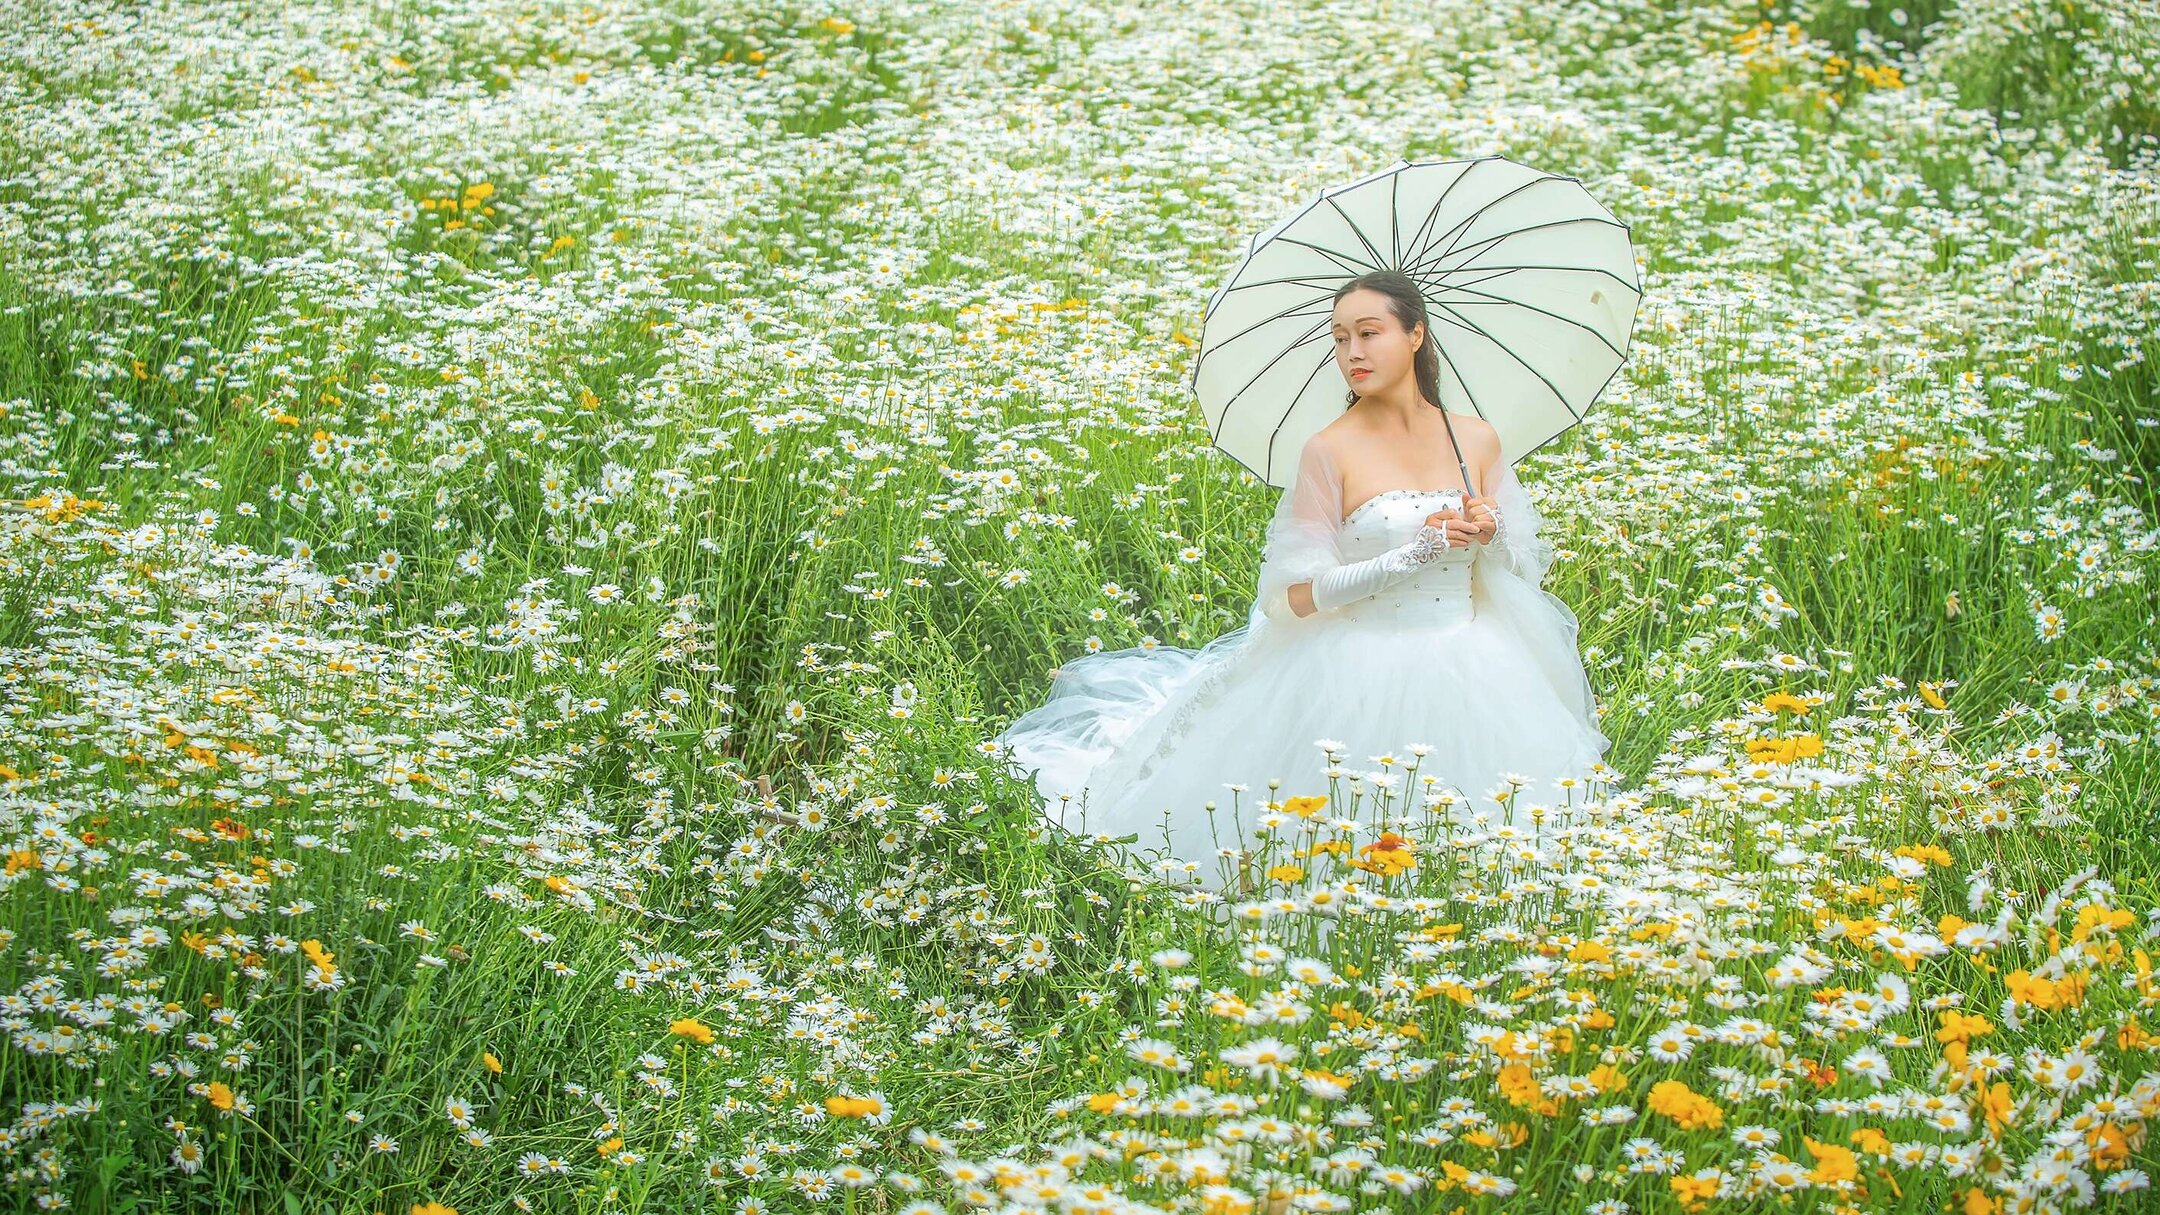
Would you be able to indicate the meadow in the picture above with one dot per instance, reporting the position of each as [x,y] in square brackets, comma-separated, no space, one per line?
[521,520]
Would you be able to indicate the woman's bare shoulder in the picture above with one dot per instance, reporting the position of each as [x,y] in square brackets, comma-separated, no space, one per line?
[1474,425]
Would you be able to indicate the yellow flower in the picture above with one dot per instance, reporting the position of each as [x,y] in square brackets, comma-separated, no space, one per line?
[2111,1147]
[1962,1027]
[1675,1100]
[1347,1014]
[2097,917]
[433,1208]
[2134,1037]
[490,1062]
[219,1095]
[1226,1202]
[1997,1104]
[691,1027]
[2025,989]
[1929,692]
[1692,1192]
[1784,750]
[1785,702]
[1453,991]
[1304,807]
[1926,852]
[1832,1163]
[853,1107]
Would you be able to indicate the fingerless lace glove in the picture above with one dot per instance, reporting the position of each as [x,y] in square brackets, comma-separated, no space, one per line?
[1357,580]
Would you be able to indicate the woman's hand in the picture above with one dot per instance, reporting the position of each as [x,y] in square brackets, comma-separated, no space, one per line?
[1462,530]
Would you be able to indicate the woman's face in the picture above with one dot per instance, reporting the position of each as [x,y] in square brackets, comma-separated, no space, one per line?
[1371,349]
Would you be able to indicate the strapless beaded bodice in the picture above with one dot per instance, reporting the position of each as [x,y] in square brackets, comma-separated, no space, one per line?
[1439,592]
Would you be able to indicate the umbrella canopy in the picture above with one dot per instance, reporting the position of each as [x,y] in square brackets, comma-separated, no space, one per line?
[1530,284]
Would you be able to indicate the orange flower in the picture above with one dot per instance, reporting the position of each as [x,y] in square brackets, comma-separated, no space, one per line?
[219,1095]
[1387,856]
[231,829]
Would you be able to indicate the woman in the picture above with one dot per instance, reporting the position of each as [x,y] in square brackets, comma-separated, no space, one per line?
[1396,606]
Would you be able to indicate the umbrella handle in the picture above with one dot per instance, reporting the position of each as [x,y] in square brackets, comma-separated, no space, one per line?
[1459,463]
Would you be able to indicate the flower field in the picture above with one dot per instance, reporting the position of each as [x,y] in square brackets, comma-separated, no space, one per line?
[521,520]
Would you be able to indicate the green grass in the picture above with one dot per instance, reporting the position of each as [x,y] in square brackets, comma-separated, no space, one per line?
[625,649]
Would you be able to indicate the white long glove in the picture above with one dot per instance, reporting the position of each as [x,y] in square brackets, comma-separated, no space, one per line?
[1358,579]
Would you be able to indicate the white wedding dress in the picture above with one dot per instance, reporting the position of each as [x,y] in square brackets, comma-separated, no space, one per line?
[1462,650]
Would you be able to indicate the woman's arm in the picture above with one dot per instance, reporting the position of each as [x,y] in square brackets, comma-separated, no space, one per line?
[1355,580]
[1302,570]
[1301,599]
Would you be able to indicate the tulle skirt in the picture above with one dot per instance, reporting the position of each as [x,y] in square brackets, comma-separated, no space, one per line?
[1138,741]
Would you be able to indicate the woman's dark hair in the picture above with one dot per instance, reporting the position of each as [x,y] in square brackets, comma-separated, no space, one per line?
[1408,304]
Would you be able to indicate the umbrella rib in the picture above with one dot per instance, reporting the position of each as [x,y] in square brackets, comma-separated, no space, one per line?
[1314,280]
[1432,213]
[1458,318]
[1394,215]
[1441,350]
[1515,303]
[1224,344]
[1457,232]
[1359,232]
[1321,250]
[1527,266]
[1276,432]
[1232,399]
[1486,245]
